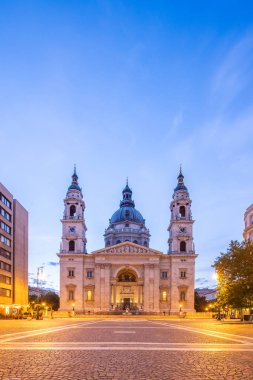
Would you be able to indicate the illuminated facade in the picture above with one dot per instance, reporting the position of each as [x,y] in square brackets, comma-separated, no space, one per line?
[127,274]
[248,221]
[13,252]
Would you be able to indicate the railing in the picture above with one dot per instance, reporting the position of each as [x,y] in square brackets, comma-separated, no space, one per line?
[76,217]
[76,251]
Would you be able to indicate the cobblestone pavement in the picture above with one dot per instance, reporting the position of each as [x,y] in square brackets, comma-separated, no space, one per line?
[125,349]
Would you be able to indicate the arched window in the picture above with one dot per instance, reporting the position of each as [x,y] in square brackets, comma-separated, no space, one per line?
[72,210]
[135,241]
[127,277]
[182,296]
[108,243]
[118,241]
[182,211]
[145,243]
[182,246]
[71,245]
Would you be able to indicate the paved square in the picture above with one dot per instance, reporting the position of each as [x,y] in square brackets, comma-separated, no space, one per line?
[125,349]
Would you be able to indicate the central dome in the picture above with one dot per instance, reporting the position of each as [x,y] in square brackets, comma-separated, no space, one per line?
[125,213]
[127,223]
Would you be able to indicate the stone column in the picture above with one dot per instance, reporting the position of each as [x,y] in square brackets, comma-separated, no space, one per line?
[146,301]
[114,295]
[97,298]
[156,288]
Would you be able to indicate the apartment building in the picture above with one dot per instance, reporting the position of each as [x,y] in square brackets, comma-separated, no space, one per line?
[13,252]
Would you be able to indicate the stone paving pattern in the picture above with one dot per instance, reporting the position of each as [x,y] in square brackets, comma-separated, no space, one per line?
[117,364]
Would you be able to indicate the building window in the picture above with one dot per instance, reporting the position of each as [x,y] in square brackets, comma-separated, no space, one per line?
[71,273]
[182,296]
[108,243]
[127,213]
[5,266]
[164,275]
[71,245]
[5,253]
[5,201]
[89,295]
[71,295]
[5,279]
[72,210]
[182,274]
[127,225]
[5,240]
[145,243]
[182,211]
[135,241]
[5,292]
[89,274]
[118,241]
[164,295]
[5,228]
[5,214]
[182,246]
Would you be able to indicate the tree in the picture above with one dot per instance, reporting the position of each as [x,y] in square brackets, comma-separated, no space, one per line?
[51,299]
[200,303]
[235,276]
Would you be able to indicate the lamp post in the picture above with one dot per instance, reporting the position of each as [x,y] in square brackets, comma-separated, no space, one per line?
[39,275]
[73,309]
[180,308]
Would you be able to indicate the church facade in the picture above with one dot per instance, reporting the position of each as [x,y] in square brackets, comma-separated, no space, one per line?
[127,275]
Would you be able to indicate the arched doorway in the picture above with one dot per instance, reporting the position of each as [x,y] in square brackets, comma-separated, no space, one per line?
[127,291]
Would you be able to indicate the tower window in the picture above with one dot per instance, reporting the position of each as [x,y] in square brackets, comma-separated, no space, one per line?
[71,273]
[71,245]
[145,243]
[182,211]
[164,275]
[127,213]
[182,296]
[108,243]
[183,274]
[72,210]
[89,274]
[182,246]
[71,295]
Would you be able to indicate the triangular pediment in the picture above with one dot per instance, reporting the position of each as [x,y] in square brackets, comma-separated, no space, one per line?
[127,247]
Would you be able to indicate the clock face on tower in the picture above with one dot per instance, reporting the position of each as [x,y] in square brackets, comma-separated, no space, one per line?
[182,229]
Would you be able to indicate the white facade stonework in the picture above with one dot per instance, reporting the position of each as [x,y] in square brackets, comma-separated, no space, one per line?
[248,221]
[127,275]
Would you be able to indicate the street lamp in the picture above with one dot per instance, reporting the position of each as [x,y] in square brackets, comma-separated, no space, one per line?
[73,308]
[39,276]
[180,307]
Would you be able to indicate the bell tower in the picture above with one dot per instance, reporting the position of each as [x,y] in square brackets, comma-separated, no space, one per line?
[73,223]
[180,227]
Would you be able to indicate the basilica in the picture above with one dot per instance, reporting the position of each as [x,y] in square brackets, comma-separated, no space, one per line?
[127,275]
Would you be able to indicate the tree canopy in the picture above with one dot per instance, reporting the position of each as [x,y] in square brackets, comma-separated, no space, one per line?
[235,275]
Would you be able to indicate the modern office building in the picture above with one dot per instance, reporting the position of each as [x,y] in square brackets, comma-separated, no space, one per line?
[13,252]
[127,274]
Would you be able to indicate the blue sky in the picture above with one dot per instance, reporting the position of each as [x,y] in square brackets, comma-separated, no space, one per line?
[128,88]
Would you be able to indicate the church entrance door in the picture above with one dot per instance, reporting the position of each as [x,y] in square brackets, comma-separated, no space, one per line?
[126,304]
